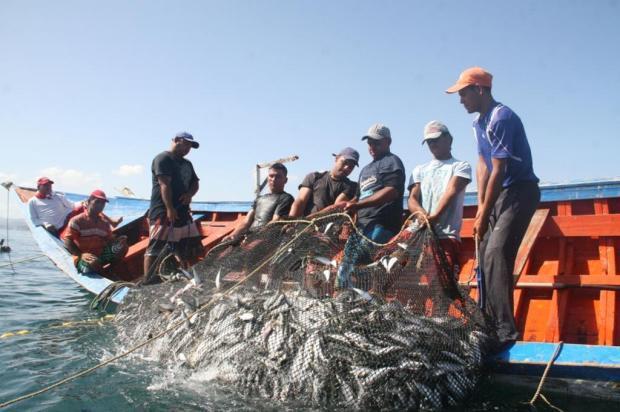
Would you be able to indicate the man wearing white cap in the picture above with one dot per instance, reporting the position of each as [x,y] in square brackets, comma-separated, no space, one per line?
[437,190]
[174,184]
[321,189]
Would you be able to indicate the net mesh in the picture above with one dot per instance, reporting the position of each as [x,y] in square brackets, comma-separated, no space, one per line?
[311,311]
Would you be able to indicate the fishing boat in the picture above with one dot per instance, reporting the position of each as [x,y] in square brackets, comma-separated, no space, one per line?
[567,289]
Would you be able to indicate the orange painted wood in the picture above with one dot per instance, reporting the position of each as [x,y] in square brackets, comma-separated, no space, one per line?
[531,234]
[568,226]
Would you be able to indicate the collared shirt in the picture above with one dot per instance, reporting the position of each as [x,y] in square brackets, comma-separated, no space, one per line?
[500,134]
[52,210]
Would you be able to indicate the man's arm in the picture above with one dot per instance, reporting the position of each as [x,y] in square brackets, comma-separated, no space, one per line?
[299,205]
[491,192]
[385,195]
[482,178]
[34,214]
[342,197]
[71,247]
[413,202]
[242,228]
[166,196]
[456,185]
[186,198]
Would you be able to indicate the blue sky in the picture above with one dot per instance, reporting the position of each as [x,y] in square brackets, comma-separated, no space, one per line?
[91,91]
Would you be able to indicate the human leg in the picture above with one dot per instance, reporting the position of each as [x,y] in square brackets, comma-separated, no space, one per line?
[509,221]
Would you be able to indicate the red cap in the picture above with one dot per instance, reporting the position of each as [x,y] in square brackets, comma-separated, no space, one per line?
[474,76]
[44,181]
[99,194]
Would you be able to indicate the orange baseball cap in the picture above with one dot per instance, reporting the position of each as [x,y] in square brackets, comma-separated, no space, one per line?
[474,76]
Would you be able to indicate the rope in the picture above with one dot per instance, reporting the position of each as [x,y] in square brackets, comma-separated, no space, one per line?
[104,297]
[544,376]
[63,325]
[22,260]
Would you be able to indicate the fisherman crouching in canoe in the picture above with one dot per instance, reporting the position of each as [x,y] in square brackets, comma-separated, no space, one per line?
[90,240]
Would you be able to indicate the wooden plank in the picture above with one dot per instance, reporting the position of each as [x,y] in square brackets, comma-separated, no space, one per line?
[570,280]
[531,234]
[568,226]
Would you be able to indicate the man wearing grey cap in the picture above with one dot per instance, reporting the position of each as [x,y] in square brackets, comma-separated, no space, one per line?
[437,190]
[379,206]
[381,188]
[321,189]
[174,184]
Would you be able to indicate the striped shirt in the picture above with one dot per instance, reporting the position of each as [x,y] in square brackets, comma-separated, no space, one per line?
[90,235]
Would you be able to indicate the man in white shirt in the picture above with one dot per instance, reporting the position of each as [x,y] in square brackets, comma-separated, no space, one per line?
[49,209]
[437,190]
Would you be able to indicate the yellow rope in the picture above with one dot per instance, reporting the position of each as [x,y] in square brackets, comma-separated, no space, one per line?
[63,325]
[22,260]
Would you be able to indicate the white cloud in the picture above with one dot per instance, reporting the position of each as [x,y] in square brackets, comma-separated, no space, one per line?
[72,179]
[8,177]
[129,170]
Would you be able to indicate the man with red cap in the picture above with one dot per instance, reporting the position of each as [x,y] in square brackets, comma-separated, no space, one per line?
[508,193]
[90,240]
[51,210]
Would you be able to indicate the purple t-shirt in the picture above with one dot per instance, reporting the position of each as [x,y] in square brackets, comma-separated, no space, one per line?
[500,134]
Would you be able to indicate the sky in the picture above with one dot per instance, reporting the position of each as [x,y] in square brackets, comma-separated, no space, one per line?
[91,91]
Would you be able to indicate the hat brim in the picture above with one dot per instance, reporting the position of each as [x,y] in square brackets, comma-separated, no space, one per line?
[195,144]
[374,137]
[101,198]
[347,158]
[45,182]
[456,87]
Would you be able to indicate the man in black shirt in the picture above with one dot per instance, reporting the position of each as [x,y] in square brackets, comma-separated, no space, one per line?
[321,189]
[174,183]
[268,207]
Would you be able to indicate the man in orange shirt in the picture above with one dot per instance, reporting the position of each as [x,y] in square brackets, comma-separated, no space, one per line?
[89,237]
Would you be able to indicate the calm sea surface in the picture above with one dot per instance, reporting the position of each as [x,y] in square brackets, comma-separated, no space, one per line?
[39,298]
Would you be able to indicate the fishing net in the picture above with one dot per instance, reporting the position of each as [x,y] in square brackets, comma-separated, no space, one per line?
[312,312]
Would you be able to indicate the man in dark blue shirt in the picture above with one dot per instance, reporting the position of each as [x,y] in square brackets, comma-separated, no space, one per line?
[381,188]
[380,202]
[508,193]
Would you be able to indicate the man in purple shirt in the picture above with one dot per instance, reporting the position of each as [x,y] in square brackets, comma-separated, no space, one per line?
[507,193]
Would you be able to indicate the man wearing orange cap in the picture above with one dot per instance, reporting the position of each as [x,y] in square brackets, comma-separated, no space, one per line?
[508,193]
[89,237]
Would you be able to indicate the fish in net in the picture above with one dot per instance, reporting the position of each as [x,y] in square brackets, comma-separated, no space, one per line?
[278,318]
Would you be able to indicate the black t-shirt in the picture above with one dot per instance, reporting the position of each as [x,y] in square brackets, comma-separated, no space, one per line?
[387,171]
[325,190]
[268,205]
[182,176]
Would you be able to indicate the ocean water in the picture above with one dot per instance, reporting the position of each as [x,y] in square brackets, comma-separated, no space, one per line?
[64,337]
